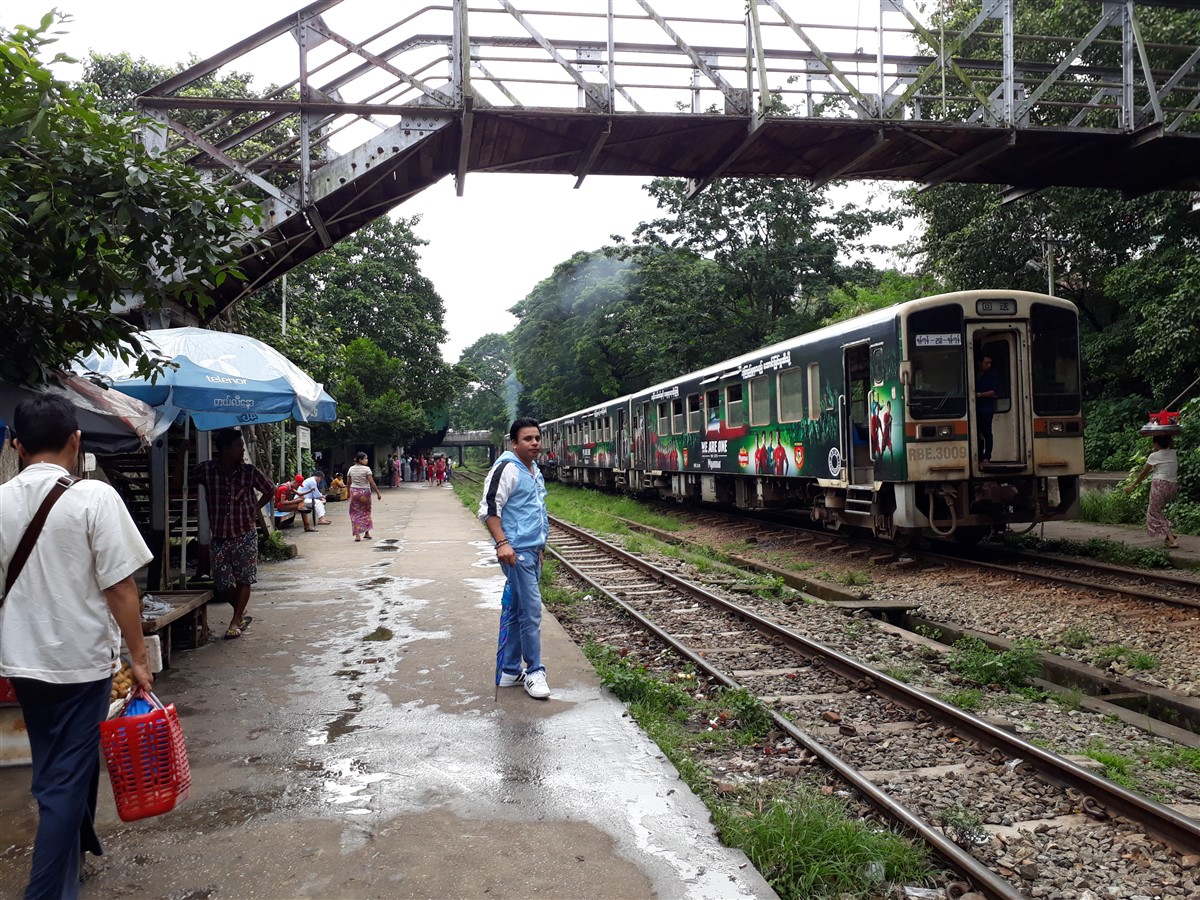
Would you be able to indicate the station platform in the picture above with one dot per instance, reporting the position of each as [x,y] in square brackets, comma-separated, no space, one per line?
[1186,555]
[349,745]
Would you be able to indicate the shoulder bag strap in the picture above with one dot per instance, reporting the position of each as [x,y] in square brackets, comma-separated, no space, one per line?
[29,538]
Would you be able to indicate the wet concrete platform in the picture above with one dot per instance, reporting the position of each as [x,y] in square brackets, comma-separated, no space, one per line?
[349,745]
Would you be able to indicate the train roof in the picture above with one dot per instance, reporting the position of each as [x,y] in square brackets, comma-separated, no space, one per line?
[865,320]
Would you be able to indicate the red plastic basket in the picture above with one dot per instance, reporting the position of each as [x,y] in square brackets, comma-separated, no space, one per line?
[147,761]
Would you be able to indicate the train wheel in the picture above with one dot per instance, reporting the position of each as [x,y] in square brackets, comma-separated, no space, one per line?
[905,538]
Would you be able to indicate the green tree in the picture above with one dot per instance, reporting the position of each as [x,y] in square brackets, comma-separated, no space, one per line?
[777,247]
[571,344]
[89,219]
[884,289]
[490,399]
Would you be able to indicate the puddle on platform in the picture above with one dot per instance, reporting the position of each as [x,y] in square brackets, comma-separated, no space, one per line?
[385,548]
[341,726]
[345,781]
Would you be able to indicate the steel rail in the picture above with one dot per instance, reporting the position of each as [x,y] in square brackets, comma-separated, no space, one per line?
[1101,797]
[959,860]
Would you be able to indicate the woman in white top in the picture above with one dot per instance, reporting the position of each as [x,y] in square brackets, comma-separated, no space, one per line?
[362,485]
[1164,487]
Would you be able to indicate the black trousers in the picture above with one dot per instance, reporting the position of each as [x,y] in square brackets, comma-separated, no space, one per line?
[984,424]
[63,722]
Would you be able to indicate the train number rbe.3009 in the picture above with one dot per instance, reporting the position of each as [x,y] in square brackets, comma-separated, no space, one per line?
[937,452]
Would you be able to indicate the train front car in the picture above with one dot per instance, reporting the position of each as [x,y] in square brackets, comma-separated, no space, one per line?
[993,429]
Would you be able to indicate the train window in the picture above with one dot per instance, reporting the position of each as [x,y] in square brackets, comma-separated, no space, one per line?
[790,390]
[760,401]
[712,399]
[877,373]
[733,406]
[1054,359]
[695,414]
[664,418]
[608,428]
[678,424]
[814,391]
[935,347]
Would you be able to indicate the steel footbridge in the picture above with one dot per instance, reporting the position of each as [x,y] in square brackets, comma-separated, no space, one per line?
[381,100]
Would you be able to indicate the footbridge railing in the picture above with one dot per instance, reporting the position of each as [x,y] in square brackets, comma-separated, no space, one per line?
[372,107]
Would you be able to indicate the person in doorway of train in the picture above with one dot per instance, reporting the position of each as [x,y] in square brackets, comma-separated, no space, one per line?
[987,389]
[513,510]
[1163,468]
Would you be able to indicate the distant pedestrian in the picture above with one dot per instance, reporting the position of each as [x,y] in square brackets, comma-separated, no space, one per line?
[234,491]
[362,485]
[514,510]
[439,469]
[1164,487]
[314,496]
[61,622]
[396,478]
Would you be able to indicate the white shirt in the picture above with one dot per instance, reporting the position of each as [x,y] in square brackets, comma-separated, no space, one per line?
[1166,465]
[55,626]
[357,476]
[309,490]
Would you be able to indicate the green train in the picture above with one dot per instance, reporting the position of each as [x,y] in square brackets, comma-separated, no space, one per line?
[951,416]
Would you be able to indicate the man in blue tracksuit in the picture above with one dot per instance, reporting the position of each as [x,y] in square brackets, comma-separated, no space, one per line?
[514,510]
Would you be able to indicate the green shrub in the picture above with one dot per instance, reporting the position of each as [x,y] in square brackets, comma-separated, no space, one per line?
[272,547]
[973,659]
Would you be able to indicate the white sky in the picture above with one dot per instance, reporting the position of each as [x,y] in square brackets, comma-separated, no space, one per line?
[487,249]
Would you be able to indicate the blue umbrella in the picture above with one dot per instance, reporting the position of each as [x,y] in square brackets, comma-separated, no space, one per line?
[221,379]
[213,398]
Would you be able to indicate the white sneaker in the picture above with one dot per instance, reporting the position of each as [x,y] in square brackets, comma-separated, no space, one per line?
[507,680]
[535,685]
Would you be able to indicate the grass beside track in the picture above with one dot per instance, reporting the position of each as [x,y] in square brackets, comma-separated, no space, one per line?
[806,842]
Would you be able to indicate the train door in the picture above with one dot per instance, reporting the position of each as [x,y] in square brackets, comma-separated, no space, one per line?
[622,449]
[641,437]
[857,432]
[1004,349]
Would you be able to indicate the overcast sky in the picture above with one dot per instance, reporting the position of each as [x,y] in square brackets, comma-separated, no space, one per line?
[486,250]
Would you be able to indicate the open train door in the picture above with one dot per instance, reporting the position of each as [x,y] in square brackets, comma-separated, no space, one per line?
[1006,347]
[857,414]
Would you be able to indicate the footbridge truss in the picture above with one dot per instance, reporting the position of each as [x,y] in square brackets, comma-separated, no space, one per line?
[372,108]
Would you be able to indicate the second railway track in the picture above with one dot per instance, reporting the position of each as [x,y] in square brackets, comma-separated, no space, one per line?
[898,747]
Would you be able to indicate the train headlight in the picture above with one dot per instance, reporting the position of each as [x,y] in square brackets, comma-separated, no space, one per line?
[1057,427]
[945,431]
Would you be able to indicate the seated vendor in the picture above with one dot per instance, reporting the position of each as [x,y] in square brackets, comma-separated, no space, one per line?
[337,488]
[288,501]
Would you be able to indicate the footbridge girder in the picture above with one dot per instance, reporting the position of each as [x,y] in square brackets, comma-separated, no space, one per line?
[379,108]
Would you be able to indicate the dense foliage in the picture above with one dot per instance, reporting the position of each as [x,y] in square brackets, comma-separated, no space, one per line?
[361,317]
[89,219]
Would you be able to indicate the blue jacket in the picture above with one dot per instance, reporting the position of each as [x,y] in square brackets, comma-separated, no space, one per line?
[518,497]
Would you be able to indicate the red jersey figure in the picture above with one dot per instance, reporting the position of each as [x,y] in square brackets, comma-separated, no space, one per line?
[781,457]
[887,433]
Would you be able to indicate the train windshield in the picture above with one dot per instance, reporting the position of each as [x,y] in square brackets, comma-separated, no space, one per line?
[935,347]
[1054,336]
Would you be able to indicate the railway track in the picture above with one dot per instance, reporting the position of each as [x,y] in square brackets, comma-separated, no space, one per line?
[1148,585]
[888,741]
[1148,706]
[1137,584]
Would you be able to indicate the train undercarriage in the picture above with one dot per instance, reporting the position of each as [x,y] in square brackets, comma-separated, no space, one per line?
[964,510]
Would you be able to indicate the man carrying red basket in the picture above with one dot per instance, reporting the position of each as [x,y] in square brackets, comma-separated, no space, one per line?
[68,598]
